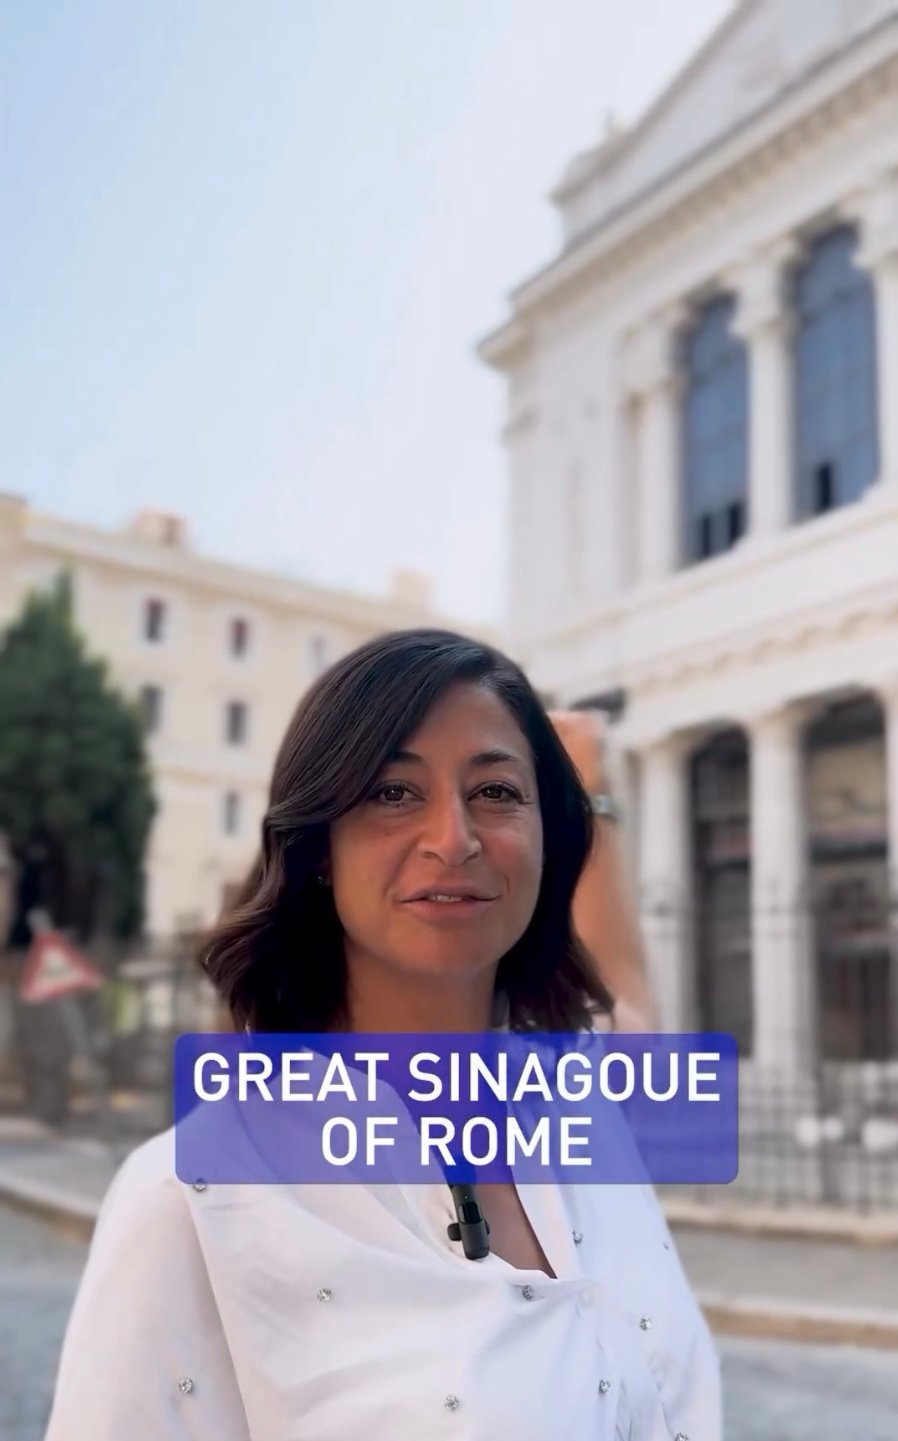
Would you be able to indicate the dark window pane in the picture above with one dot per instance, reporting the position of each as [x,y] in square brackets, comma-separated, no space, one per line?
[714,420]
[151,708]
[239,636]
[232,813]
[836,444]
[824,488]
[318,654]
[236,722]
[154,620]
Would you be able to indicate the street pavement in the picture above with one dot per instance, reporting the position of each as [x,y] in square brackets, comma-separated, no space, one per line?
[804,1287]
[774,1390]
[39,1272]
[786,1391]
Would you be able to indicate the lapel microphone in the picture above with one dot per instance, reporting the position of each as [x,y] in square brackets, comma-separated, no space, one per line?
[471,1227]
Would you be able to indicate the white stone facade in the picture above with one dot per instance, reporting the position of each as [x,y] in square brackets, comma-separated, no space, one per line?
[211,792]
[785,124]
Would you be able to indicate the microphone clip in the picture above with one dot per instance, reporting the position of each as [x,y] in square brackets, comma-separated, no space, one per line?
[471,1227]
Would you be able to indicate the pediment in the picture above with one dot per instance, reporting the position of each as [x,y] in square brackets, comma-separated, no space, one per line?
[760,49]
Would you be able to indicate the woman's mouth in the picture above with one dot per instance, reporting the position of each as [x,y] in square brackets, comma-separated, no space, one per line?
[448,905]
[439,896]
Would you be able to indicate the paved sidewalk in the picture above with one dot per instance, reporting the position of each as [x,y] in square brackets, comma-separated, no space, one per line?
[794,1288]
[63,1181]
[809,1288]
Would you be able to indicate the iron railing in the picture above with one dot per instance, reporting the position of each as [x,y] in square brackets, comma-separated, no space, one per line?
[818,1110]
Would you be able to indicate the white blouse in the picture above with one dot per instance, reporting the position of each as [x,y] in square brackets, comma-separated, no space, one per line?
[344,1313]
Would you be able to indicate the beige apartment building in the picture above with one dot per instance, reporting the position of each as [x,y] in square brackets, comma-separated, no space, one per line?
[217,655]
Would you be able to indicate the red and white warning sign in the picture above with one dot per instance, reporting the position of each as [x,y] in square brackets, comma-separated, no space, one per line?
[56,968]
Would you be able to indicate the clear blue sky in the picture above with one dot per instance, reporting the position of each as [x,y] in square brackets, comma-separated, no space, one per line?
[246,251]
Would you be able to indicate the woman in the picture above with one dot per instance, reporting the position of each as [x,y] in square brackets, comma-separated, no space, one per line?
[44,1038]
[421,766]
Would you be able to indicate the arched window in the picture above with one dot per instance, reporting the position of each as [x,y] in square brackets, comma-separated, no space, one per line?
[852,915]
[721,848]
[836,442]
[715,445]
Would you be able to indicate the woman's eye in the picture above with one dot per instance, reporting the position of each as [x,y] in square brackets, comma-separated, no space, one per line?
[391,793]
[499,791]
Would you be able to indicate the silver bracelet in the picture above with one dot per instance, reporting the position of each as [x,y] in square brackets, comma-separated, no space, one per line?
[605,806]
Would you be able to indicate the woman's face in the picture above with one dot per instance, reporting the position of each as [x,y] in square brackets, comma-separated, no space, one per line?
[438,871]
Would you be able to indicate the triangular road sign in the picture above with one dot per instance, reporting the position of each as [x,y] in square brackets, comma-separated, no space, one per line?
[55,968]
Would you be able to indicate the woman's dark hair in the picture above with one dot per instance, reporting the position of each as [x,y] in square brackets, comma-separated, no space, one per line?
[277,958]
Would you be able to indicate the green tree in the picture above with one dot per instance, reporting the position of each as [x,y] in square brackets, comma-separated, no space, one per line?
[75,777]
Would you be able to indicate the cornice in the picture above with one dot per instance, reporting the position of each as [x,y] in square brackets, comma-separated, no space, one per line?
[135,559]
[696,664]
[506,345]
[753,647]
[751,555]
[697,660]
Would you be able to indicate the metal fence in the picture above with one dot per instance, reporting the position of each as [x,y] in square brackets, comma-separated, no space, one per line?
[829,1140]
[818,1122]
[114,1046]
[819,1099]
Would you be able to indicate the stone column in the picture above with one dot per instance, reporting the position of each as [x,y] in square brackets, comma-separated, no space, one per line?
[650,378]
[665,889]
[878,253]
[763,321]
[783,993]
[618,460]
[521,437]
[888,695]
[625,781]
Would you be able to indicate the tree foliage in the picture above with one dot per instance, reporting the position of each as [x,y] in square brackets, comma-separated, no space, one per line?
[74,772]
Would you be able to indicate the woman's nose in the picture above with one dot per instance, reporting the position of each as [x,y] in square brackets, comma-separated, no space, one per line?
[449,834]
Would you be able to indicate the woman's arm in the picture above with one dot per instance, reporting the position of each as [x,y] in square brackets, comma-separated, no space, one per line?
[605,912]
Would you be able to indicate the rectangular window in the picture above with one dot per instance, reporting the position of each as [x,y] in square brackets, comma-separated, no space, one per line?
[154,617]
[735,522]
[151,708]
[824,488]
[239,636]
[317,654]
[718,530]
[835,391]
[236,722]
[231,816]
[714,420]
